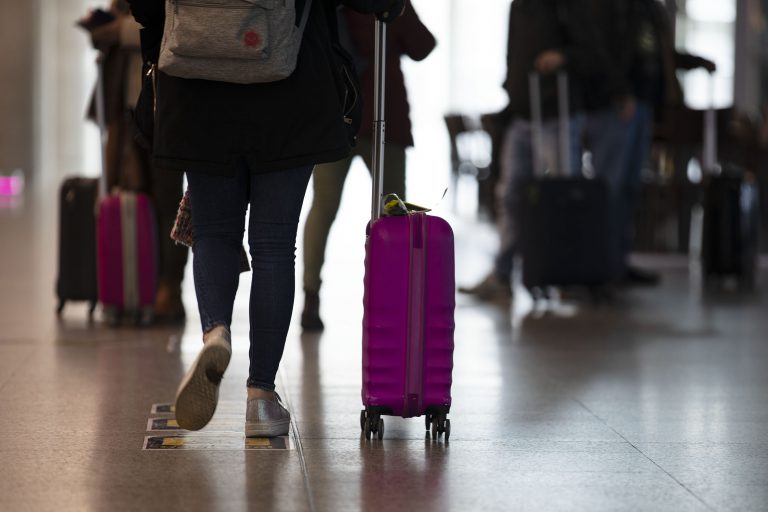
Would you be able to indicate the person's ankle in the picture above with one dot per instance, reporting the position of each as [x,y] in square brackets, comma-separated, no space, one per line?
[264,394]
[217,331]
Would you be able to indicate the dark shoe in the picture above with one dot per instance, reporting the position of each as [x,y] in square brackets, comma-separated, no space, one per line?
[266,418]
[169,308]
[492,289]
[310,317]
[198,393]
[635,276]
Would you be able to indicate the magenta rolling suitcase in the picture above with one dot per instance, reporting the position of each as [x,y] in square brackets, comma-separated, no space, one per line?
[127,256]
[126,242]
[409,302]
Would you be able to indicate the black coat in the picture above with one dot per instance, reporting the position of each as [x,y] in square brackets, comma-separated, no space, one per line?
[539,25]
[206,126]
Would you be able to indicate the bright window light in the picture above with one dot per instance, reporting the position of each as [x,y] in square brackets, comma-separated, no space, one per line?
[714,11]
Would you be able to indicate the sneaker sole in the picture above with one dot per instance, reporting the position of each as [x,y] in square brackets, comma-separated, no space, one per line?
[199,391]
[267,429]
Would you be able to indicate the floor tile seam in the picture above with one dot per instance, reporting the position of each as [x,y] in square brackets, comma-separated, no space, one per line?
[23,363]
[296,435]
[646,456]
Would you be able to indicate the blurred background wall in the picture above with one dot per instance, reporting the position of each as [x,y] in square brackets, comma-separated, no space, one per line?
[47,75]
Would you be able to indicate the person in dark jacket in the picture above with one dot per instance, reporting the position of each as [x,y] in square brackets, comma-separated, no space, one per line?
[254,145]
[408,37]
[638,36]
[545,37]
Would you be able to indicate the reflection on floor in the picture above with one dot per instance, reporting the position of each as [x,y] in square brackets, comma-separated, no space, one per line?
[656,401]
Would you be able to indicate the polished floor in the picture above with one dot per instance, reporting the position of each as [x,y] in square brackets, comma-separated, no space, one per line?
[656,401]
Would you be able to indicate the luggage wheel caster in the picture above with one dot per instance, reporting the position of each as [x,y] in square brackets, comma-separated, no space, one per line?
[441,425]
[111,317]
[427,420]
[373,425]
[363,418]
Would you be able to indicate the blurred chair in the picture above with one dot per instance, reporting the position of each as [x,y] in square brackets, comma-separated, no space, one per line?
[472,151]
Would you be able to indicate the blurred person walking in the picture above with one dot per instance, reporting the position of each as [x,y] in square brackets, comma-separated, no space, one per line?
[246,144]
[545,37]
[618,128]
[406,38]
[128,164]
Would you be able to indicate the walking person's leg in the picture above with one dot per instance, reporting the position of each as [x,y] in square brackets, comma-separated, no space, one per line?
[218,220]
[636,155]
[516,163]
[328,186]
[167,190]
[276,199]
[608,135]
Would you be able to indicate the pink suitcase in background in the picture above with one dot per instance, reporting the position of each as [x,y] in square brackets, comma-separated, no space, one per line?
[127,257]
[409,302]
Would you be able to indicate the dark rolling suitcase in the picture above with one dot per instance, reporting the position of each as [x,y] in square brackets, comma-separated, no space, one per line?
[730,240]
[731,227]
[77,242]
[566,234]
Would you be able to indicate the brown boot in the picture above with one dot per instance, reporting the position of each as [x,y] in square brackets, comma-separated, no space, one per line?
[310,317]
[169,308]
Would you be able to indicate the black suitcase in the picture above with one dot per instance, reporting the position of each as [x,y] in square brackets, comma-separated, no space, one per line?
[565,234]
[77,242]
[731,226]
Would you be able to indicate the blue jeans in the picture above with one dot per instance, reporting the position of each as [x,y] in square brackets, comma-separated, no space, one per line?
[607,137]
[219,206]
[635,156]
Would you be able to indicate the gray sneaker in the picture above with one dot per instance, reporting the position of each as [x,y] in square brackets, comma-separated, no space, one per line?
[266,418]
[492,288]
[198,393]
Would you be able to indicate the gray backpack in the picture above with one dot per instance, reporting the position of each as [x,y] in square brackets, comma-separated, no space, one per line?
[238,41]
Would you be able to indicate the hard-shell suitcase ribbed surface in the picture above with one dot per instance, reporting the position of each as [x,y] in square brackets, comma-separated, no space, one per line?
[409,301]
[408,321]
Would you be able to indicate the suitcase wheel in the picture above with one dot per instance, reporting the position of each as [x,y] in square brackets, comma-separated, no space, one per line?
[60,307]
[111,316]
[441,426]
[371,424]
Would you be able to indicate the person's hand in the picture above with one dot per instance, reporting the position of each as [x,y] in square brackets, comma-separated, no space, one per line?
[549,61]
[707,64]
[106,35]
[627,107]
[396,8]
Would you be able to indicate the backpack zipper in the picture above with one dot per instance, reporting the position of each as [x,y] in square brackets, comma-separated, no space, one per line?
[214,6]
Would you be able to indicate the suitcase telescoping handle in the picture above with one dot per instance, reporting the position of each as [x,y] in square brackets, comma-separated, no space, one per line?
[378,118]
[537,124]
[101,121]
[709,144]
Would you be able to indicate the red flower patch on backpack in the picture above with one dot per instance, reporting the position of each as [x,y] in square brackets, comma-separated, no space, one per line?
[252,39]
